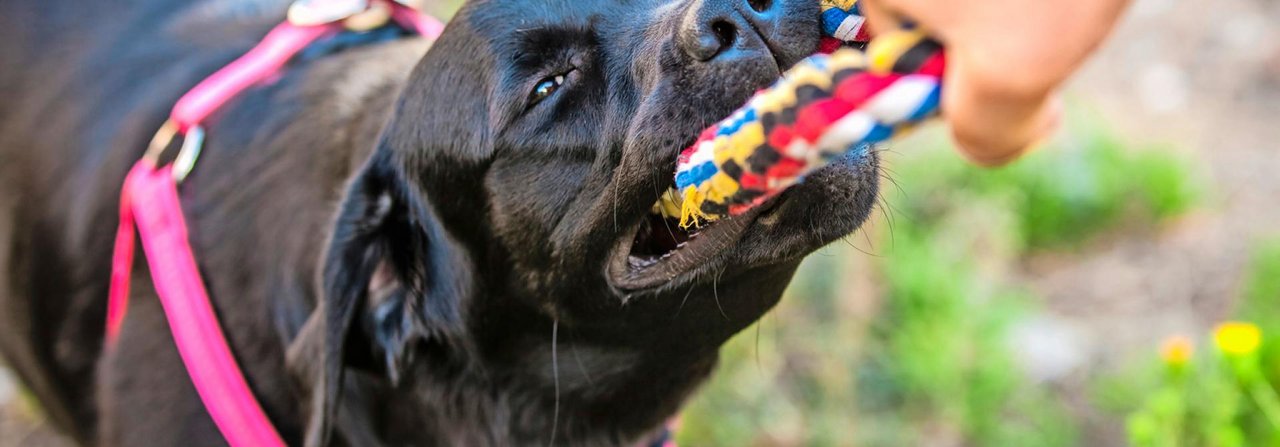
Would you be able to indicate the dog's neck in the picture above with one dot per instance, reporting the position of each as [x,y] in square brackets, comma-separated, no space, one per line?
[574,397]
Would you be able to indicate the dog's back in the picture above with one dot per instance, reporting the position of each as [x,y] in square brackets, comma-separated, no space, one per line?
[81,80]
[44,47]
[85,84]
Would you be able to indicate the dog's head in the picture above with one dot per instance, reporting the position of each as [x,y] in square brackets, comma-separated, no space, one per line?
[511,199]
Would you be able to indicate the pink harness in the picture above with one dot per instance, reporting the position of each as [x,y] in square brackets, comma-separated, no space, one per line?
[150,204]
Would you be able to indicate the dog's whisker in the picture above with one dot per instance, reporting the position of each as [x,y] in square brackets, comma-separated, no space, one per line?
[888,219]
[555,374]
[686,298]
[581,366]
[887,211]
[715,291]
[614,199]
[891,215]
[854,246]
[813,230]
[759,367]
[870,243]
[887,174]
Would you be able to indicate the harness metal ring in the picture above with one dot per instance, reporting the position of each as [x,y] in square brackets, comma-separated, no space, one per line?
[192,144]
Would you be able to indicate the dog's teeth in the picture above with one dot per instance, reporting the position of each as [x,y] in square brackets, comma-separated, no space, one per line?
[640,263]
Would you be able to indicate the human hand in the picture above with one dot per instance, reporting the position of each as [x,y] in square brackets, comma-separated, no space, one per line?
[1005,62]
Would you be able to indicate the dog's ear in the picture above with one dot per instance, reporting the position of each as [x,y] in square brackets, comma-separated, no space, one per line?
[379,299]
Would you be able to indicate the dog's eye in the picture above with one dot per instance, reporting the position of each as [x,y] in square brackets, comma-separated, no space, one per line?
[545,89]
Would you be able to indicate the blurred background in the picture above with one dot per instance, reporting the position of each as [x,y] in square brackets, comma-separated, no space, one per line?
[1077,297]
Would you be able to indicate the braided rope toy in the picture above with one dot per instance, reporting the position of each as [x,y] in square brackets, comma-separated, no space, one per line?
[837,102]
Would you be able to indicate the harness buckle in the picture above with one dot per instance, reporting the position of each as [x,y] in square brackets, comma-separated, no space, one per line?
[415,5]
[320,12]
[192,144]
[377,15]
[356,15]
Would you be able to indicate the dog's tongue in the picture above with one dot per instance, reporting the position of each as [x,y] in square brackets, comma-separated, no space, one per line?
[837,101]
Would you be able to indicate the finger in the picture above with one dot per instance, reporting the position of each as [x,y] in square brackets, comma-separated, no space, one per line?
[888,15]
[880,18]
[993,129]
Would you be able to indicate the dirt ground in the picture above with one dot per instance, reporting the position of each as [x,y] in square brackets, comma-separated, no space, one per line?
[21,424]
[1203,80]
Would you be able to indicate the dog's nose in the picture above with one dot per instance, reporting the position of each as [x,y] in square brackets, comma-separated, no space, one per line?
[716,29]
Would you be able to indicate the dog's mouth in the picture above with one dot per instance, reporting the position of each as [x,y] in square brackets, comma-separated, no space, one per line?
[658,251]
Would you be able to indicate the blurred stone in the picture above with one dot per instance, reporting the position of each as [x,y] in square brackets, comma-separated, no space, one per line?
[1245,32]
[1149,8]
[8,387]
[1049,349]
[1162,88]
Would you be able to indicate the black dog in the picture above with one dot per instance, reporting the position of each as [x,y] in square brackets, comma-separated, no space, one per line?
[467,235]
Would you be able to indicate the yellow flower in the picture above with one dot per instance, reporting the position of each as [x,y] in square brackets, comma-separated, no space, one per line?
[1237,339]
[1177,350]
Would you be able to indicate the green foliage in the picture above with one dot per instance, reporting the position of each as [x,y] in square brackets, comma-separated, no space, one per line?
[1226,398]
[941,355]
[1260,297]
[1216,400]
[1260,301]
[1069,192]
[922,355]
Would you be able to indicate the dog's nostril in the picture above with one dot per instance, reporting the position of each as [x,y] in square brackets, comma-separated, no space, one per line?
[718,27]
[711,40]
[726,33]
[760,5]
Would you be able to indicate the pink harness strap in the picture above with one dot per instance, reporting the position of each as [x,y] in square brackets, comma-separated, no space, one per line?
[192,320]
[425,25]
[275,50]
[149,202]
[269,56]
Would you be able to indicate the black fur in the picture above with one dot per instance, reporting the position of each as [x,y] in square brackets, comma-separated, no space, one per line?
[403,250]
